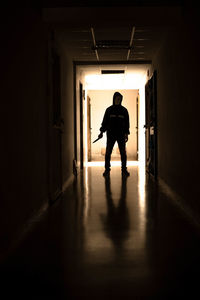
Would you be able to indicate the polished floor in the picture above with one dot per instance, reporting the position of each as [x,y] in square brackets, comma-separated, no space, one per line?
[113,238]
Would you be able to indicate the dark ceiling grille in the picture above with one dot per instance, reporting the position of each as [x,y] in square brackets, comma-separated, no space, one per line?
[112,71]
[109,44]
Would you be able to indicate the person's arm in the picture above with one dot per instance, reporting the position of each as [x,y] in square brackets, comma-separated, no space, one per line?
[127,126]
[104,123]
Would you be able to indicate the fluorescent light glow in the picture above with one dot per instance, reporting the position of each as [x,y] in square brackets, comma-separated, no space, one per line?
[112,81]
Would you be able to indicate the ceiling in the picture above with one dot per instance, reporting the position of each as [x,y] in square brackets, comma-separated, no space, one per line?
[112,43]
[113,3]
[112,34]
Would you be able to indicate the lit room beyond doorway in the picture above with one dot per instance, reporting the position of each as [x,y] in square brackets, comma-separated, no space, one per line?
[98,101]
[99,90]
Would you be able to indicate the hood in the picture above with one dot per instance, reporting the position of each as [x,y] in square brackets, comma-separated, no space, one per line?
[115,95]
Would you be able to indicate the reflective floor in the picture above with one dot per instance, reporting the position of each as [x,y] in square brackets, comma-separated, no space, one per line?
[107,238]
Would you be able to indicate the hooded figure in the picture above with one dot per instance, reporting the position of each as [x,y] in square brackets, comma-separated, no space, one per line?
[116,125]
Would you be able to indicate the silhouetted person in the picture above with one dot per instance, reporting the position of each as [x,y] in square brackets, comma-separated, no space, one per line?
[116,221]
[116,125]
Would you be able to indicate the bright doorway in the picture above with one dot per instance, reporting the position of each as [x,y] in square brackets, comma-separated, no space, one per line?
[98,92]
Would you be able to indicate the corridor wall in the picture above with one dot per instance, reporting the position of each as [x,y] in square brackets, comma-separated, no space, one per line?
[177,64]
[24,115]
[67,110]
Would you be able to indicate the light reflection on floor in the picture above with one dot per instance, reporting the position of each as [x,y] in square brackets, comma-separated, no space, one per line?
[114,213]
[113,163]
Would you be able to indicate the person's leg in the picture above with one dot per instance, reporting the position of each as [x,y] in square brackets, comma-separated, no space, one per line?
[109,147]
[122,148]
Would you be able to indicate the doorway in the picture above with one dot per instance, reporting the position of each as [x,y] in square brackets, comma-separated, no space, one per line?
[133,79]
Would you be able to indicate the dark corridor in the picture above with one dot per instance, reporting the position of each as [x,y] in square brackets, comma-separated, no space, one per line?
[132,239]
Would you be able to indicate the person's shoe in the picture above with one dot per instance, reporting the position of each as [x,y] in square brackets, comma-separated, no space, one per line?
[125,173]
[106,173]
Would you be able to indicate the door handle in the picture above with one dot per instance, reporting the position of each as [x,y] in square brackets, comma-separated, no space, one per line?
[58,128]
[152,130]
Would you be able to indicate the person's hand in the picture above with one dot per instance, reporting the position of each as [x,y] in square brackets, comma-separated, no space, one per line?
[100,135]
[126,138]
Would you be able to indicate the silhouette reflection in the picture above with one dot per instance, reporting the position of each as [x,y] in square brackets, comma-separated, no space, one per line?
[116,222]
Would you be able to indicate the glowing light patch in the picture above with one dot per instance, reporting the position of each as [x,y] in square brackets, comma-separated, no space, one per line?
[113,163]
[110,81]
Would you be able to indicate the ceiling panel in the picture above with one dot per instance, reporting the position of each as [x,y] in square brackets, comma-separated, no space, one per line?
[111,42]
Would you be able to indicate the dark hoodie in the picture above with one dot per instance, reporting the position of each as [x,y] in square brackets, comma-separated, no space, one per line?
[116,118]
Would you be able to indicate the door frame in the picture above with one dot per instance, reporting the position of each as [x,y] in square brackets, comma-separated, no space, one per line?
[89,146]
[137,124]
[81,97]
[76,96]
[151,126]
[78,161]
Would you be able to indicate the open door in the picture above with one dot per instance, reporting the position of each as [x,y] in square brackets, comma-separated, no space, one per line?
[78,124]
[55,126]
[81,124]
[151,125]
[89,128]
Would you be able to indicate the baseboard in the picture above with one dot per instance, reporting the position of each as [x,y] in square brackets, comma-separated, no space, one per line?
[23,231]
[67,183]
[177,200]
[26,228]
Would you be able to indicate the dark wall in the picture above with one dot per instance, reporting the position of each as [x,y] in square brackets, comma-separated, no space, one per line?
[177,64]
[67,109]
[24,116]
